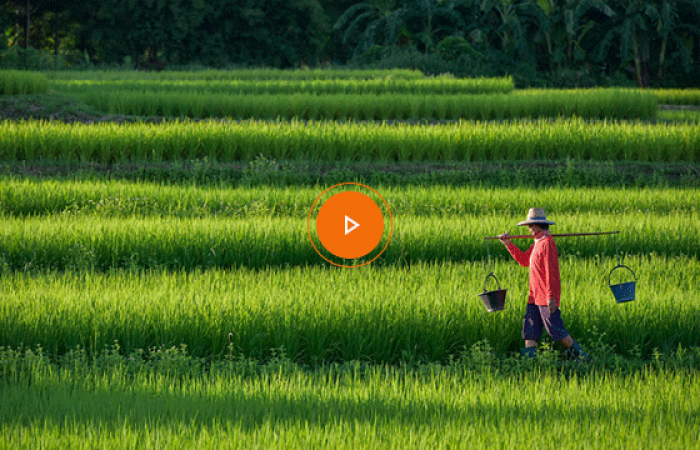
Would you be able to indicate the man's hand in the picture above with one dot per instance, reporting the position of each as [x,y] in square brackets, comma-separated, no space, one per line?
[505,238]
[552,305]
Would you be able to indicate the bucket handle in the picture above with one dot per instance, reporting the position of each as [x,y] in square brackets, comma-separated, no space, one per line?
[491,274]
[618,267]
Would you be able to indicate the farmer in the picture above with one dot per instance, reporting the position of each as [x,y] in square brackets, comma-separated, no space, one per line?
[545,288]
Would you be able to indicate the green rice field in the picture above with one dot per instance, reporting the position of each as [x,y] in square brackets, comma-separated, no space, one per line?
[238,405]
[444,86]
[192,310]
[613,104]
[332,141]
[680,116]
[125,228]
[14,82]
[427,311]
[260,75]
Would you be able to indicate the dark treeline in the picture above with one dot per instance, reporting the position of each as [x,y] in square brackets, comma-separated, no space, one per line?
[539,42]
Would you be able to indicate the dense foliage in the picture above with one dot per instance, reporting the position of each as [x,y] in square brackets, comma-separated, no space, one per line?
[553,42]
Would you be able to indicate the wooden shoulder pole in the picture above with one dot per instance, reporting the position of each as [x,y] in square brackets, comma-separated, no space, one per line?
[527,236]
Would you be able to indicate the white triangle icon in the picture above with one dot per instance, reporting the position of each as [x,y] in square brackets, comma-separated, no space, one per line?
[354,225]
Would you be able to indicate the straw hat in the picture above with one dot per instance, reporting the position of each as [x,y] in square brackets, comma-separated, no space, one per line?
[536,216]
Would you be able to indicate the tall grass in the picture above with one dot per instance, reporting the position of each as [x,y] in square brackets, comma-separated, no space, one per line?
[331,141]
[680,116]
[14,82]
[440,85]
[22,197]
[595,104]
[102,243]
[427,312]
[342,407]
[239,74]
[677,96]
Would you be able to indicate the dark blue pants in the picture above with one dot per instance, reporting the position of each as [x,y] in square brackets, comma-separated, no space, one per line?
[537,317]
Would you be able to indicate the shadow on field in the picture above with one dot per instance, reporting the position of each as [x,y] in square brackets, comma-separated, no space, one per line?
[60,404]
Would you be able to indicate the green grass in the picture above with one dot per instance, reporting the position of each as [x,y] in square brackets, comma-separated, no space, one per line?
[51,106]
[196,263]
[238,74]
[14,82]
[427,86]
[593,104]
[678,96]
[146,315]
[27,197]
[169,401]
[337,142]
[425,312]
[188,243]
[682,116]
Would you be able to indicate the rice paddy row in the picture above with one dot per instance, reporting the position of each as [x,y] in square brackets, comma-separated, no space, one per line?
[178,405]
[23,197]
[677,96]
[17,82]
[145,308]
[332,141]
[613,104]
[262,74]
[100,243]
[427,86]
[428,312]
[680,116]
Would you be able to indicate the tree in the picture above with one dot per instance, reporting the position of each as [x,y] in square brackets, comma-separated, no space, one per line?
[281,33]
[644,29]
[564,25]
[23,11]
[427,21]
[678,27]
[5,23]
[368,23]
[507,20]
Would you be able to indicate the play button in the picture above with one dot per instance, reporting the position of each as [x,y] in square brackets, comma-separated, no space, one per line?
[350,225]
[354,225]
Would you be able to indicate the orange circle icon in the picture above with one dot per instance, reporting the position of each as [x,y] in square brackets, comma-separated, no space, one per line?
[350,225]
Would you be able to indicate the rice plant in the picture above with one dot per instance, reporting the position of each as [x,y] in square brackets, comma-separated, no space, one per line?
[321,314]
[101,243]
[678,96]
[14,82]
[183,315]
[261,74]
[170,400]
[594,104]
[680,116]
[440,85]
[22,197]
[333,141]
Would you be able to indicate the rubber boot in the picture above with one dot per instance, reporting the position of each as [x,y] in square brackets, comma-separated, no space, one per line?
[528,352]
[576,353]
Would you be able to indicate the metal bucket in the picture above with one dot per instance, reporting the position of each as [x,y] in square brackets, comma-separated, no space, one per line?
[623,292]
[493,300]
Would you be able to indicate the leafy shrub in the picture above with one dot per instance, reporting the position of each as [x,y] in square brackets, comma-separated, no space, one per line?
[390,57]
[454,56]
[455,47]
[31,59]
[569,78]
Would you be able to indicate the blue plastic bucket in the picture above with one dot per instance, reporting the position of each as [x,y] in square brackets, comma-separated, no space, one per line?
[623,292]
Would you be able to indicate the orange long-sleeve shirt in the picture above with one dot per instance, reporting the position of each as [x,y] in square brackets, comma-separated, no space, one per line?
[543,260]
